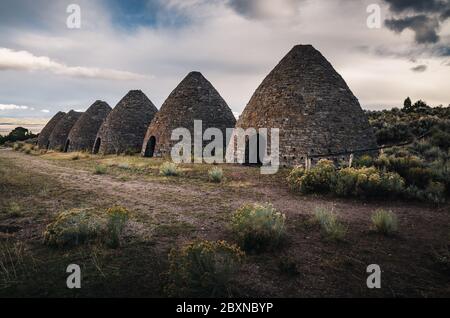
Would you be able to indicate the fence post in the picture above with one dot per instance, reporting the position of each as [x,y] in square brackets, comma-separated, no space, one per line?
[350,160]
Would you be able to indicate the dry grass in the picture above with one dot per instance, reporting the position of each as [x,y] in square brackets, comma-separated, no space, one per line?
[169,212]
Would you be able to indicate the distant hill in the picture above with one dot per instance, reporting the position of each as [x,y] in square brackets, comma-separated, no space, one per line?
[8,124]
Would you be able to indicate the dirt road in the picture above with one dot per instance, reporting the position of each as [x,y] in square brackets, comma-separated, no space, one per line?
[169,212]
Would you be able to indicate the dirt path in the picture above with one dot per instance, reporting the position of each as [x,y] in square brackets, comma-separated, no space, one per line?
[189,210]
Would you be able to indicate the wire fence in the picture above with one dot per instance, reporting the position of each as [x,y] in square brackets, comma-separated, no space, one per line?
[351,153]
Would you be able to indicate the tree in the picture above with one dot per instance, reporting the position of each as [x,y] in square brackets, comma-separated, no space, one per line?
[17,134]
[407,104]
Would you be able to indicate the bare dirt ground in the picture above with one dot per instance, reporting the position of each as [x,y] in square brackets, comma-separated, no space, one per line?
[168,212]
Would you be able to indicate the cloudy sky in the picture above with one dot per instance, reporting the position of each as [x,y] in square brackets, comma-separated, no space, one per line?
[152,44]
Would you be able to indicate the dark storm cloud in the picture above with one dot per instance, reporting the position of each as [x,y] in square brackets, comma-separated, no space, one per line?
[445,15]
[419,68]
[399,6]
[244,7]
[424,27]
[423,17]
[34,14]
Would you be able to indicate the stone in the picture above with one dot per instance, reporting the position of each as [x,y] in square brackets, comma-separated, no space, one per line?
[124,129]
[83,133]
[313,107]
[44,135]
[58,137]
[194,98]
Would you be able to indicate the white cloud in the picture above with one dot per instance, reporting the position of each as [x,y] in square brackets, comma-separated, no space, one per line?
[45,111]
[26,61]
[13,107]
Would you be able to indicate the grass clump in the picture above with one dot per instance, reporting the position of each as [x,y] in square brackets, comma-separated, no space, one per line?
[258,227]
[73,227]
[385,222]
[215,175]
[17,146]
[117,218]
[332,229]
[169,169]
[203,269]
[100,169]
[15,264]
[14,210]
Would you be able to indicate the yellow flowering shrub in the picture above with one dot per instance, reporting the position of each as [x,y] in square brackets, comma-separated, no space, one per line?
[73,227]
[316,180]
[117,219]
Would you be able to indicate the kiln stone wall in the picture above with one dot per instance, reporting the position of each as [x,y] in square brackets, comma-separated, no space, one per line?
[124,128]
[44,135]
[83,133]
[311,105]
[193,99]
[59,135]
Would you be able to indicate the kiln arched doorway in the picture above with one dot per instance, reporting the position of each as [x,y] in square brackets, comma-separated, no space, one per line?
[150,148]
[97,146]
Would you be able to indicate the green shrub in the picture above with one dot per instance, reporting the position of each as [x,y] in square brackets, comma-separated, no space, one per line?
[435,192]
[215,175]
[434,153]
[367,182]
[100,169]
[419,177]
[441,139]
[331,228]
[258,227]
[364,161]
[203,269]
[316,180]
[117,219]
[73,227]
[385,222]
[168,169]
[13,210]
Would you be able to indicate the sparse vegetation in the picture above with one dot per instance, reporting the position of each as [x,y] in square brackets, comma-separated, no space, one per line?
[385,222]
[100,169]
[13,210]
[168,213]
[258,227]
[331,228]
[359,182]
[318,179]
[203,269]
[117,219]
[17,146]
[73,227]
[169,169]
[215,175]
[14,263]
